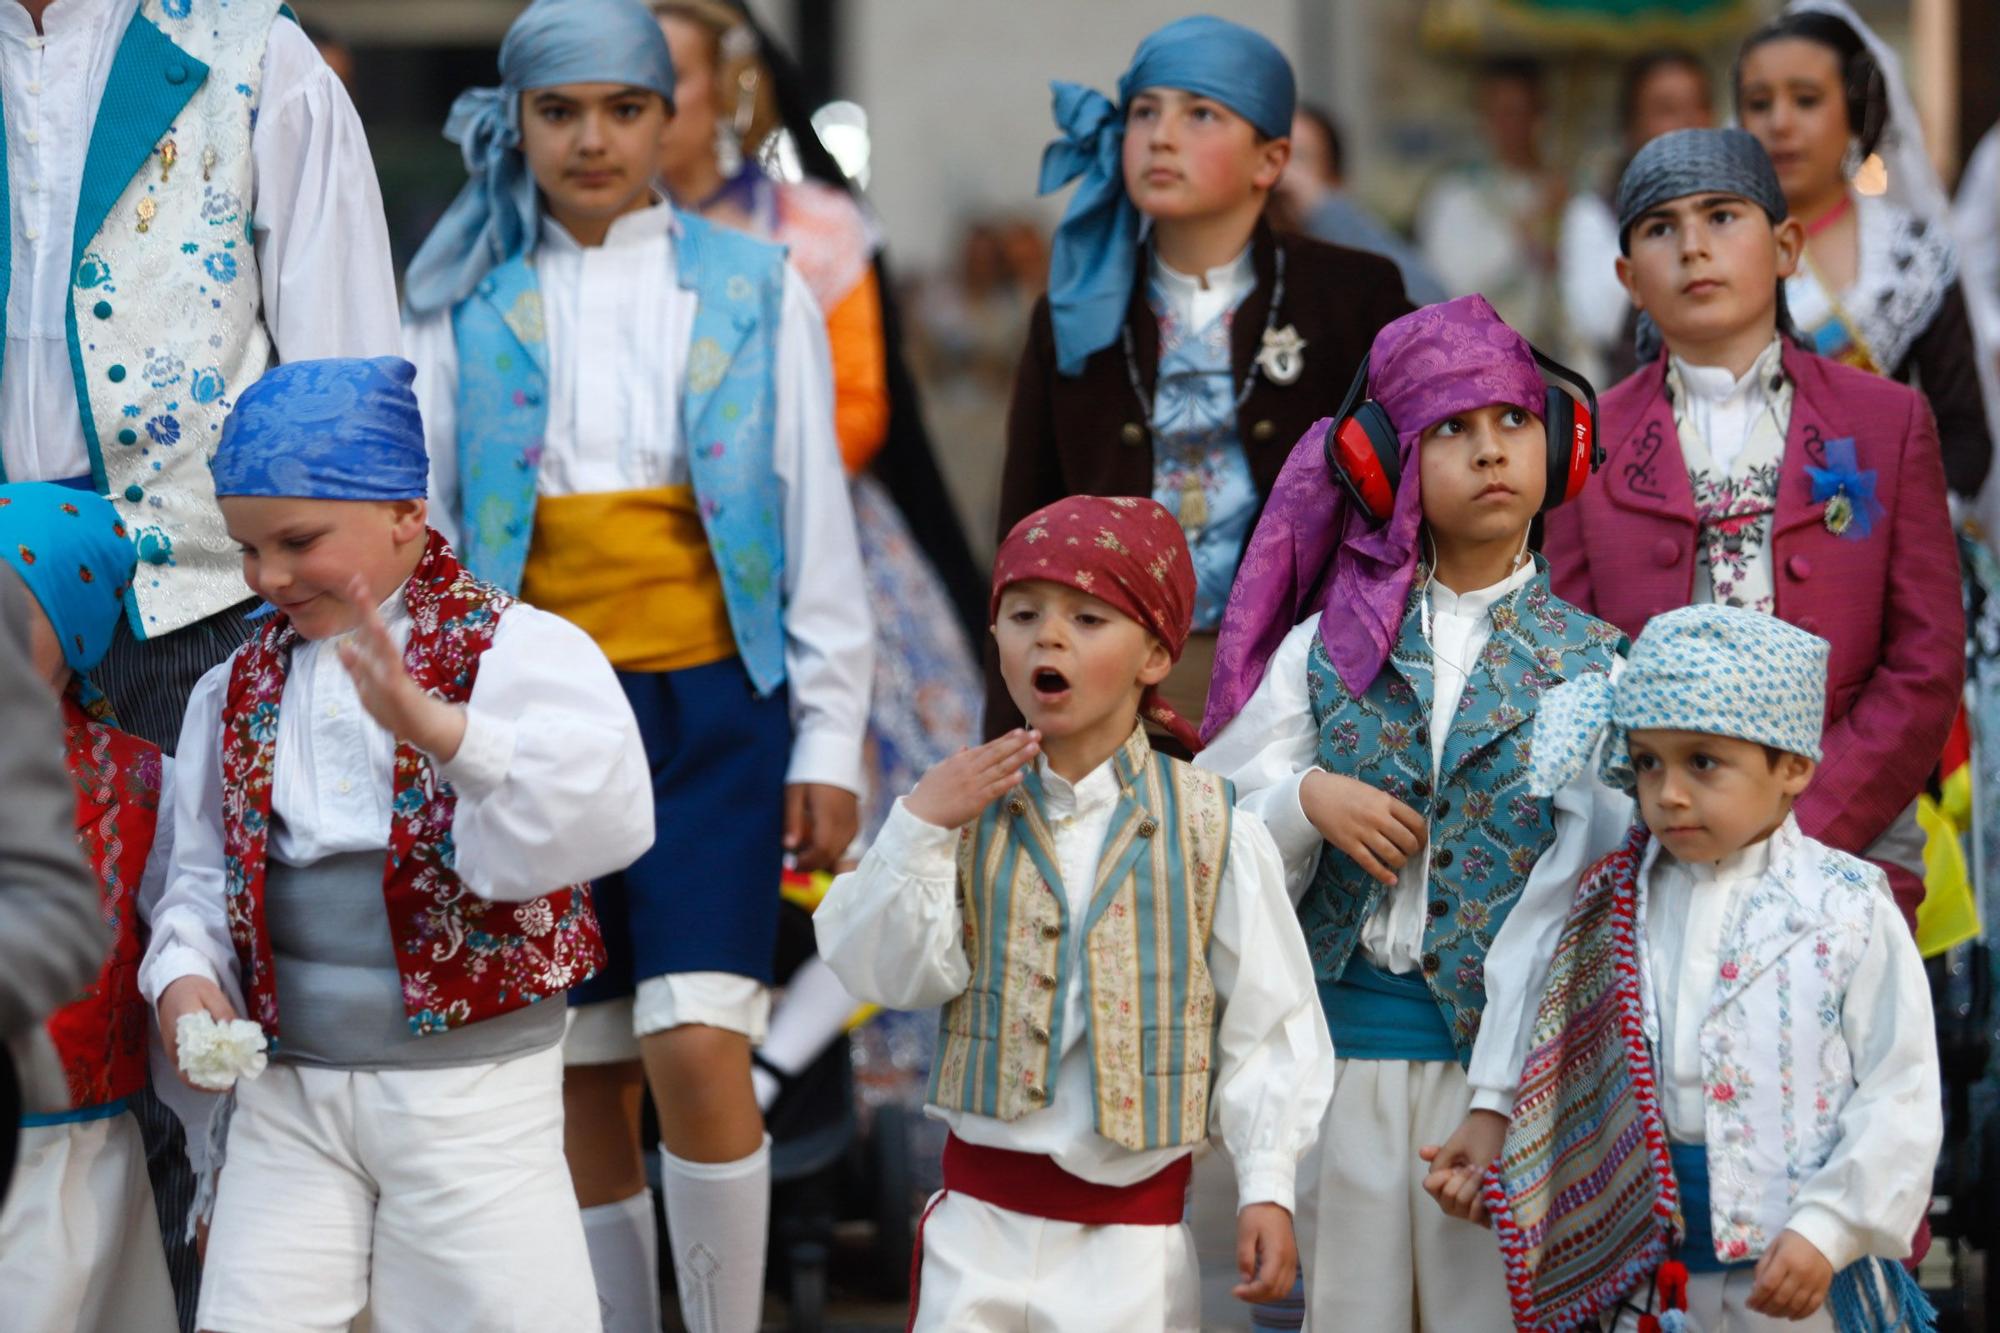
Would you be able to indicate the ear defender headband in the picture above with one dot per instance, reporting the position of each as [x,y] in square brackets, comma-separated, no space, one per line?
[1362,450]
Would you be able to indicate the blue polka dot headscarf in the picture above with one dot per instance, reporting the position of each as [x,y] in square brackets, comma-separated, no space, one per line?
[1720,670]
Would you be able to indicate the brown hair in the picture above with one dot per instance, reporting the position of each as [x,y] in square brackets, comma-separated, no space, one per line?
[745,97]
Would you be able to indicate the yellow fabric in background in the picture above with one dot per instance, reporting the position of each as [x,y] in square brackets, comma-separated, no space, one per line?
[1949,914]
[633,570]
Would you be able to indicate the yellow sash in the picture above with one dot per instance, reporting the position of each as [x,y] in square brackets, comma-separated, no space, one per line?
[633,570]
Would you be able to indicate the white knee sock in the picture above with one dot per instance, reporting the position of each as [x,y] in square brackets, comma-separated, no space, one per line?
[718,1214]
[625,1260]
[813,1012]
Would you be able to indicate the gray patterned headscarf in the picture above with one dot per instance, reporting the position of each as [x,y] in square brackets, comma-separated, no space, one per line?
[1685,162]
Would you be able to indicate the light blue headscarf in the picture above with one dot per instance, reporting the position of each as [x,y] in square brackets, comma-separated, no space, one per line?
[346,428]
[495,215]
[71,550]
[1091,262]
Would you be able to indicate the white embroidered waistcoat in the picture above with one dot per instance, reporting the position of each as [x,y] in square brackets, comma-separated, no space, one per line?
[165,322]
[1775,1066]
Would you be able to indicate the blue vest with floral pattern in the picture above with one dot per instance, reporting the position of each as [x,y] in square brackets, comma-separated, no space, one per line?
[1486,829]
[728,416]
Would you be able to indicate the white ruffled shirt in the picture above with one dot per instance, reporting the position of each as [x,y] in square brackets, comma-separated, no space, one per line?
[892,930]
[619,325]
[328,286]
[552,782]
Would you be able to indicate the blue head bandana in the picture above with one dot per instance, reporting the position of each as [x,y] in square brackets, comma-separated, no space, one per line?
[341,429]
[1091,262]
[70,548]
[494,217]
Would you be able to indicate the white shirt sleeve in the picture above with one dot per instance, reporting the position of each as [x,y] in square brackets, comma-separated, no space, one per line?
[329,286]
[1273,1058]
[1975,218]
[829,639]
[432,348]
[1594,301]
[552,781]
[892,928]
[1268,748]
[1469,246]
[190,926]
[1869,1195]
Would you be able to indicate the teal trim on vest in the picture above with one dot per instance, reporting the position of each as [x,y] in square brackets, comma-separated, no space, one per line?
[1486,830]
[151,81]
[1375,1014]
[81,1115]
[728,418]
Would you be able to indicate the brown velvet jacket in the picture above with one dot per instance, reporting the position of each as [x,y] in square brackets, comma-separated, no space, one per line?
[1089,435]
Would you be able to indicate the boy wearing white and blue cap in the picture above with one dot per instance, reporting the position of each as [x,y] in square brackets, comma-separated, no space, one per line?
[1183,345]
[1728,1108]
[631,420]
[378,801]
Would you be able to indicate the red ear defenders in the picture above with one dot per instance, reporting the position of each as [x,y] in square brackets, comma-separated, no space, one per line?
[1362,450]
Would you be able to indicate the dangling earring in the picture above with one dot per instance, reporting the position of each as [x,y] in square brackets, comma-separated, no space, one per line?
[728,152]
[1850,160]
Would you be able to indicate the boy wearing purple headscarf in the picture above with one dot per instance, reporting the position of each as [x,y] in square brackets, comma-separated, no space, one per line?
[1375,689]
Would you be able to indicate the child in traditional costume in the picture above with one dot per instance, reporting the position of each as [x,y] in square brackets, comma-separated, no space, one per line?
[378,799]
[1120,970]
[632,422]
[1376,684]
[1183,345]
[79,1242]
[1732,1080]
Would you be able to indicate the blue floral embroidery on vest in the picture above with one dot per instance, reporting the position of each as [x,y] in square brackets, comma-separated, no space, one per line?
[1486,830]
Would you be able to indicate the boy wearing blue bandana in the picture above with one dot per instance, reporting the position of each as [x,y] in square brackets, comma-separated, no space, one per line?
[379,801]
[1183,345]
[1734,1025]
[631,419]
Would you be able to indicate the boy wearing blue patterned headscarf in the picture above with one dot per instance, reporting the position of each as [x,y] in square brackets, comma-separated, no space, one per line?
[1727,1111]
[631,422]
[79,1239]
[1183,345]
[387,804]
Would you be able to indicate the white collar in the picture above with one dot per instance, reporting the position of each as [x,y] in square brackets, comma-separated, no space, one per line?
[1714,384]
[1744,863]
[1096,788]
[1238,275]
[641,227]
[62,17]
[1475,604]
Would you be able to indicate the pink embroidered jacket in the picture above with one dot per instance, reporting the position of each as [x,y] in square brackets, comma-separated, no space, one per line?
[1888,602]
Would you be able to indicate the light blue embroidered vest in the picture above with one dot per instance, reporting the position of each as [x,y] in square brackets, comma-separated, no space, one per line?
[728,416]
[1200,472]
[1486,829]
[1149,1000]
[165,309]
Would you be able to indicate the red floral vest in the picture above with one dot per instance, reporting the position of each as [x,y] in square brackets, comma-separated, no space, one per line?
[101,1036]
[461,957]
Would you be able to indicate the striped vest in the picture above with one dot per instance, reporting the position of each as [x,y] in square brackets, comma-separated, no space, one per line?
[1149,1001]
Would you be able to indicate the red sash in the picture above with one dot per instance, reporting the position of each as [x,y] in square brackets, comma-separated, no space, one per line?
[461,957]
[101,1036]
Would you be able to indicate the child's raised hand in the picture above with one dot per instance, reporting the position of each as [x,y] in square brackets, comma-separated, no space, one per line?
[1267,1255]
[1792,1278]
[1371,826]
[953,792]
[190,994]
[1457,1178]
[386,690]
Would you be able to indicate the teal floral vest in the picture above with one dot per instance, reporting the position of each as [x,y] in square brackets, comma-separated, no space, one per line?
[728,411]
[1486,830]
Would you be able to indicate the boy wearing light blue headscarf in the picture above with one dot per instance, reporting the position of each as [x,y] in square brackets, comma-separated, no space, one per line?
[1183,345]
[630,418]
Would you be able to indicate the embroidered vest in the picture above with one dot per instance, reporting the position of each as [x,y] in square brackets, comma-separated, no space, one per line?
[728,416]
[165,307]
[1486,829]
[1149,1000]
[101,1036]
[462,958]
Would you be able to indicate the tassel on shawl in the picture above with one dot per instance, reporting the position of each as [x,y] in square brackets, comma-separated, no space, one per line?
[1856,1300]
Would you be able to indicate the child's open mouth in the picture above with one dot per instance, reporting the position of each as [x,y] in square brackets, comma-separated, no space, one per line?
[1050,684]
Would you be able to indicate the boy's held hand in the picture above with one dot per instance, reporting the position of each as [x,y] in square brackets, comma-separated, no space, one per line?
[1267,1255]
[1457,1178]
[385,689]
[953,792]
[190,995]
[1378,831]
[820,823]
[1792,1278]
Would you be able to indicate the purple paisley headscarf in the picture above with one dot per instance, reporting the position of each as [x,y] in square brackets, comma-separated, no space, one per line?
[1313,550]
